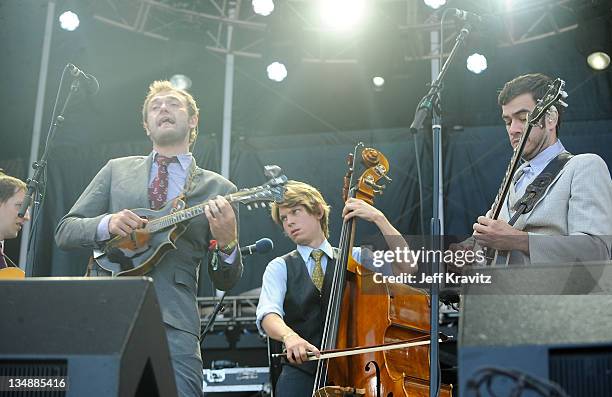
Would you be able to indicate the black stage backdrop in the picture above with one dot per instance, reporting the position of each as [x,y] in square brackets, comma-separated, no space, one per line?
[474,162]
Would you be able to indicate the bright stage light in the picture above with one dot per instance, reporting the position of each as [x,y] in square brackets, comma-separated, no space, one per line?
[378,81]
[598,60]
[435,4]
[263,7]
[477,63]
[276,71]
[69,21]
[180,81]
[341,14]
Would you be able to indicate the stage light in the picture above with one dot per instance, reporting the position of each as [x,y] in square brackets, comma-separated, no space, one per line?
[341,14]
[69,21]
[263,7]
[435,4]
[378,81]
[180,82]
[598,60]
[476,63]
[276,71]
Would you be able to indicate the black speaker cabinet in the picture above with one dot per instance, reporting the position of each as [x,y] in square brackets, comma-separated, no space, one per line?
[553,323]
[105,336]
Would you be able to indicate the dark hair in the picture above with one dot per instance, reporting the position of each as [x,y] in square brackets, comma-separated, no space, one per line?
[9,186]
[535,84]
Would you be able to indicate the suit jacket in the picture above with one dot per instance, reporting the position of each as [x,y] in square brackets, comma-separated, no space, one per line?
[123,184]
[572,221]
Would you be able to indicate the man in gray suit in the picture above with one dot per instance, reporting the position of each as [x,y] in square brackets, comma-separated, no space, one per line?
[572,221]
[170,118]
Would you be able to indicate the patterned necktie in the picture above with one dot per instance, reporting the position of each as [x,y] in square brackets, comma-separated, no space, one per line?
[158,191]
[2,261]
[317,272]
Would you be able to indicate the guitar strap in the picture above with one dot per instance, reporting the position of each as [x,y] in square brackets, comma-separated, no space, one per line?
[188,182]
[537,188]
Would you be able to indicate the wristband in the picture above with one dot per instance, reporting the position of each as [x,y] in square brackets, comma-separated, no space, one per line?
[229,248]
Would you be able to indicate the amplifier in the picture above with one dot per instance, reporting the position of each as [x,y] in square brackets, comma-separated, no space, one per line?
[247,379]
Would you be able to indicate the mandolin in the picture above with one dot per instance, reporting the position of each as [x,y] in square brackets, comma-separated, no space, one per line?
[137,253]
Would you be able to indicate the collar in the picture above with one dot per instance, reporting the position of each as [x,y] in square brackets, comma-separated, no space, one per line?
[184,159]
[305,250]
[539,162]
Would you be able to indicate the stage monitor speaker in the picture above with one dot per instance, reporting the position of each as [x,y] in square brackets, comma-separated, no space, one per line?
[104,335]
[535,325]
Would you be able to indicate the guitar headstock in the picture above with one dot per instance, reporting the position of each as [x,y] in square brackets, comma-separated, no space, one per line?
[555,94]
[271,191]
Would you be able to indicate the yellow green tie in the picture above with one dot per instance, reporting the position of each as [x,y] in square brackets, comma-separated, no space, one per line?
[317,272]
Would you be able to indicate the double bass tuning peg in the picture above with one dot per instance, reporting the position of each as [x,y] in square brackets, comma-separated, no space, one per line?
[382,171]
[376,187]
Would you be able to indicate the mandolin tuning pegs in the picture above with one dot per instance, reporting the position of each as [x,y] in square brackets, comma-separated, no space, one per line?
[272,171]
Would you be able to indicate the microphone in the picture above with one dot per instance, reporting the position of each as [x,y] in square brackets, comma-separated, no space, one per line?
[467,16]
[261,246]
[91,83]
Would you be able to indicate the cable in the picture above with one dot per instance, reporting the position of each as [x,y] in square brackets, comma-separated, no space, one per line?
[522,382]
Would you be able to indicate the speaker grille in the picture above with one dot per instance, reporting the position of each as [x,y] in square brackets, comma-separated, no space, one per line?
[582,372]
[33,369]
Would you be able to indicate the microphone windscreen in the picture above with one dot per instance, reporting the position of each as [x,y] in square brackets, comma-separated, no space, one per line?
[264,245]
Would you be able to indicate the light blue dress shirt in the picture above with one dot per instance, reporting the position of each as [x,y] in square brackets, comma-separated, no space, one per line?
[537,165]
[274,285]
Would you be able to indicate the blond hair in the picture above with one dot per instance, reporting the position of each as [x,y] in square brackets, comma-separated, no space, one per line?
[9,186]
[300,193]
[162,86]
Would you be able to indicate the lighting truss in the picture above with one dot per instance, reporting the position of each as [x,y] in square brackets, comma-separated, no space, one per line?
[207,21]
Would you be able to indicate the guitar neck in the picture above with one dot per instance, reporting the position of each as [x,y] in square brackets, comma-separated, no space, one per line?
[181,215]
[512,167]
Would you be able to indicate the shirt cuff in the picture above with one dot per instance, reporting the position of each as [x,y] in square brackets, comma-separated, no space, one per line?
[261,317]
[229,259]
[102,232]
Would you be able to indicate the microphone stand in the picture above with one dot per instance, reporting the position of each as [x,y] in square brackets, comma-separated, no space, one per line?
[37,184]
[219,308]
[431,104]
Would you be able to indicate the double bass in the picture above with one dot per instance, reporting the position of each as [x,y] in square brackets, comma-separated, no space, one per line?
[362,313]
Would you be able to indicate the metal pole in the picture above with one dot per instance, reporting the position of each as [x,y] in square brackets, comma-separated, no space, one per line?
[38,114]
[435,71]
[228,101]
[436,221]
[228,97]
